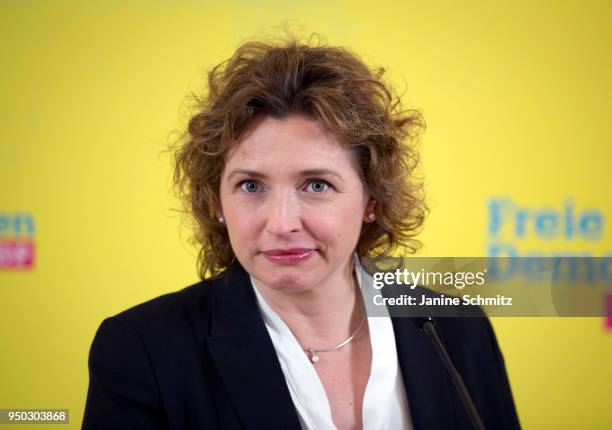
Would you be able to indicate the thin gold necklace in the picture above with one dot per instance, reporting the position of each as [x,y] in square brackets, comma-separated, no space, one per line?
[314,356]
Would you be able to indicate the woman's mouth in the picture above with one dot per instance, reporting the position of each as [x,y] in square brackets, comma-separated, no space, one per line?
[289,256]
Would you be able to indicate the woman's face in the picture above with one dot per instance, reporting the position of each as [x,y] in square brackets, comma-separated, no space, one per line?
[293,204]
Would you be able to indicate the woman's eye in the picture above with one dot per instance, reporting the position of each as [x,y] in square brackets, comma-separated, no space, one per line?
[249,186]
[318,186]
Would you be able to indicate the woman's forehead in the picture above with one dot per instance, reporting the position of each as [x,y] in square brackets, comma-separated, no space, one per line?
[288,132]
[263,167]
[294,143]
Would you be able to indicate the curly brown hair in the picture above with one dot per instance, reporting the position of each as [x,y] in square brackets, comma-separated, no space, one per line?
[325,83]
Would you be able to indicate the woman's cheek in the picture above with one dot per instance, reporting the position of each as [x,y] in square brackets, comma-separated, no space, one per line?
[330,229]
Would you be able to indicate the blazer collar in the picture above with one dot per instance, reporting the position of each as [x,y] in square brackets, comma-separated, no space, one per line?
[244,355]
[247,362]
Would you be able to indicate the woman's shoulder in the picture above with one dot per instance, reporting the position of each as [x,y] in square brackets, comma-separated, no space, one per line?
[172,314]
[165,305]
[182,312]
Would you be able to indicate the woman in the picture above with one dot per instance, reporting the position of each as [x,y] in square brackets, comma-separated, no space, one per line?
[298,163]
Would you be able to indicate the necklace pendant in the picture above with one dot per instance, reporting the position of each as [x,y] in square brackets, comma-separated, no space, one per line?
[314,357]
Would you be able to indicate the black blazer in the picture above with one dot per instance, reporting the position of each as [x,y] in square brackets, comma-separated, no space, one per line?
[201,358]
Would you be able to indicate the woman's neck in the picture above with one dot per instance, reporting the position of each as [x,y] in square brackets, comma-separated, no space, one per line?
[323,315]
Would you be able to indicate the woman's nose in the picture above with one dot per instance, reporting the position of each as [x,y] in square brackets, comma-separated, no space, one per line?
[283,213]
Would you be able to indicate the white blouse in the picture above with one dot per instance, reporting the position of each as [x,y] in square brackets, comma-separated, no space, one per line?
[384,404]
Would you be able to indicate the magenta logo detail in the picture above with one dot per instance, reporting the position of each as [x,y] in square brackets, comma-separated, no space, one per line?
[16,255]
[16,241]
[608,323]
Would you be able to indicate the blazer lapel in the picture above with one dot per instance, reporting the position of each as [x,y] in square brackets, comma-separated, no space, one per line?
[245,357]
[428,387]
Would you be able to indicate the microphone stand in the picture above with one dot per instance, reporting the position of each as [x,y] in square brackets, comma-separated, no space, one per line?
[427,326]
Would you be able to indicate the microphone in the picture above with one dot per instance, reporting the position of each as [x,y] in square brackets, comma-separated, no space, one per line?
[426,324]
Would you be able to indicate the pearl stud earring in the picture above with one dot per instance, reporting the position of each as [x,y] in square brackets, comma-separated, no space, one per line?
[371,216]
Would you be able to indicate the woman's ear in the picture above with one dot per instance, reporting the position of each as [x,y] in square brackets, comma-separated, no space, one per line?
[216,204]
[369,215]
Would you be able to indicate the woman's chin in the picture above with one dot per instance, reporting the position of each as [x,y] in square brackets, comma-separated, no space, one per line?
[286,282]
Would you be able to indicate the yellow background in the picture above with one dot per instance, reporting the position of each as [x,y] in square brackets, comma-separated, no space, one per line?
[516,97]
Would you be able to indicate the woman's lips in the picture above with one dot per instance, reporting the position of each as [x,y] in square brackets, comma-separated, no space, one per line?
[289,256]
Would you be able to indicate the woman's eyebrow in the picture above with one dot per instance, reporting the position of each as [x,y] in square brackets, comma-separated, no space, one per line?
[259,175]
[246,172]
[320,172]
